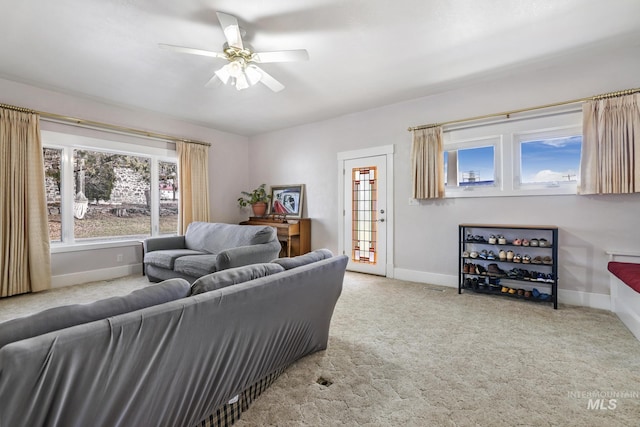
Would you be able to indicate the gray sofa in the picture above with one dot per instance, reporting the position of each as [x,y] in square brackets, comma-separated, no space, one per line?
[206,248]
[180,361]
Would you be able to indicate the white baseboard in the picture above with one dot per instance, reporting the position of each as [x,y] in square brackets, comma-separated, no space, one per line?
[81,277]
[425,277]
[584,299]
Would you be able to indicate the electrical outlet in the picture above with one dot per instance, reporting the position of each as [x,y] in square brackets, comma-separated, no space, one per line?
[119,257]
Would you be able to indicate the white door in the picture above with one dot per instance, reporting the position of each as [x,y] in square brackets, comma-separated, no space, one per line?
[365,214]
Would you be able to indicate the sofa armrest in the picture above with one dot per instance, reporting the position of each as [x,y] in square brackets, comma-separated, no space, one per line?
[245,255]
[161,243]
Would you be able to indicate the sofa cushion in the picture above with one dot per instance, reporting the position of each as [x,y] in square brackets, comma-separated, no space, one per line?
[317,255]
[196,265]
[166,258]
[217,237]
[62,317]
[232,276]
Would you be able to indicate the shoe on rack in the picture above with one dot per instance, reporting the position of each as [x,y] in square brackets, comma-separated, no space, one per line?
[543,243]
[512,291]
[525,242]
[526,259]
[483,254]
[504,290]
[537,260]
[533,242]
[473,254]
[502,240]
[517,242]
[547,260]
[509,255]
[517,258]
[491,255]
[503,255]
[492,240]
[465,254]
[493,269]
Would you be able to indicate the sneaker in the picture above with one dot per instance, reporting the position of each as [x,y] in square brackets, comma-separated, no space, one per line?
[483,254]
[502,240]
[491,255]
[492,240]
[517,258]
[526,259]
[465,254]
[543,243]
[509,255]
[473,254]
[503,255]
[533,242]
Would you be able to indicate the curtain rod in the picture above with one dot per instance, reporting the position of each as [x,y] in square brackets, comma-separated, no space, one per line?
[100,125]
[523,110]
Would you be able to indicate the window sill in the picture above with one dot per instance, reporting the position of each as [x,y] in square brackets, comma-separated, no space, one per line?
[57,248]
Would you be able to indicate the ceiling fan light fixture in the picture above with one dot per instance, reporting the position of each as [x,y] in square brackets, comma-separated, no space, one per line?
[241,82]
[224,74]
[253,74]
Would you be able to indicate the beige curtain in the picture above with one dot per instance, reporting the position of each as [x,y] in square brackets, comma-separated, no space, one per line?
[193,181]
[25,264]
[427,163]
[610,162]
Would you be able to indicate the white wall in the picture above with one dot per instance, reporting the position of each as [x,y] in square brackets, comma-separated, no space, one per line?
[425,235]
[226,178]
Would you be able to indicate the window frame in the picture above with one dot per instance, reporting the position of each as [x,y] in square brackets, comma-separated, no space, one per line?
[70,142]
[494,141]
[557,122]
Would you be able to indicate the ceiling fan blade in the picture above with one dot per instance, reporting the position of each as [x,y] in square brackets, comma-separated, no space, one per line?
[268,80]
[231,29]
[281,56]
[191,50]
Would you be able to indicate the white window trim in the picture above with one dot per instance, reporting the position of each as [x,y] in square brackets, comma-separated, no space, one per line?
[69,142]
[550,133]
[507,153]
[486,190]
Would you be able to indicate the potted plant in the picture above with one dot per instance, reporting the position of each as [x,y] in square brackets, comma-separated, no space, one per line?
[257,198]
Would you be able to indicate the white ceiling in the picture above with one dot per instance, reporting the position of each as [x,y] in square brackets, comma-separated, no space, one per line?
[363,53]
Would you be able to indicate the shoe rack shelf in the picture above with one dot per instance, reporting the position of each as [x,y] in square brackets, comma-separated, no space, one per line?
[512,261]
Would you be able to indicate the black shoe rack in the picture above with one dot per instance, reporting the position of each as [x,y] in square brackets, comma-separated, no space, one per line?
[527,270]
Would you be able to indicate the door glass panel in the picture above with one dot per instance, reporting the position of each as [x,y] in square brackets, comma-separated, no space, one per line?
[364,208]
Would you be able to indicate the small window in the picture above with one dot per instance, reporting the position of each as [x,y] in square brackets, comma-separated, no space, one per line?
[169,196]
[550,161]
[52,176]
[471,165]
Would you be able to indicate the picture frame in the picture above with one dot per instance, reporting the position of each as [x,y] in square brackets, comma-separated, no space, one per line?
[287,200]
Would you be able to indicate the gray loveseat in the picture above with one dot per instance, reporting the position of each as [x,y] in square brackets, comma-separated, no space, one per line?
[208,247]
[170,354]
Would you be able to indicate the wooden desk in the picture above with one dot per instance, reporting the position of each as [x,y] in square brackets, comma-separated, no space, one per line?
[294,234]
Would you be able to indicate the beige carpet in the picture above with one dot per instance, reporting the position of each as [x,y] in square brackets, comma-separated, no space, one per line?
[407,354]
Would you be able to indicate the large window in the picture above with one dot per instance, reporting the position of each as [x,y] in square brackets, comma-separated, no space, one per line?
[102,190]
[536,155]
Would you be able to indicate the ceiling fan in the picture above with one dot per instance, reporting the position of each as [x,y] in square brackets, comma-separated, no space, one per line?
[242,71]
